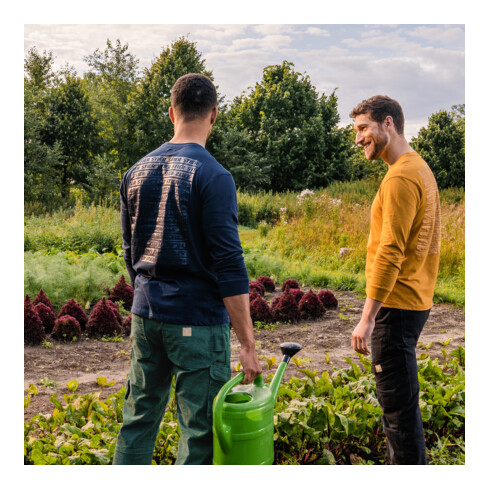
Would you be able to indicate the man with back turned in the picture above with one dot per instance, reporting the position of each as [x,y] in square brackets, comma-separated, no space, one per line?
[401,269]
[184,258]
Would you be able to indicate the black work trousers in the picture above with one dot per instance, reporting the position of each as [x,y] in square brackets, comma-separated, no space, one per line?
[394,364]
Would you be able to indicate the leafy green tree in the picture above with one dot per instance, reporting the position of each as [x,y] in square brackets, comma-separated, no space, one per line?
[149,121]
[38,69]
[41,160]
[290,128]
[234,149]
[442,145]
[70,124]
[111,83]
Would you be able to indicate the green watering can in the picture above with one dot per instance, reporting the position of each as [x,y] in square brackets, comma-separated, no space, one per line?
[243,417]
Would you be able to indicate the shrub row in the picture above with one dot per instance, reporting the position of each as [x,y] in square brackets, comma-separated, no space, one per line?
[40,318]
[291,306]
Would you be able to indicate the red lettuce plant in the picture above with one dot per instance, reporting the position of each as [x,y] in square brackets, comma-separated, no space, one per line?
[286,308]
[74,309]
[122,291]
[257,286]
[268,283]
[328,299]
[253,294]
[103,321]
[297,294]
[126,326]
[115,308]
[46,315]
[41,297]
[310,306]
[66,328]
[290,283]
[34,332]
[260,311]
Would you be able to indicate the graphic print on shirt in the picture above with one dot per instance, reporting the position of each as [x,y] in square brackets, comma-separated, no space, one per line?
[429,241]
[159,190]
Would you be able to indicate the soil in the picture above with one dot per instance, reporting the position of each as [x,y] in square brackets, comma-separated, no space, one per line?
[87,359]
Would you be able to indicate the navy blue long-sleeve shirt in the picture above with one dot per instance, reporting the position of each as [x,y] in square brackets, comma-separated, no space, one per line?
[179,221]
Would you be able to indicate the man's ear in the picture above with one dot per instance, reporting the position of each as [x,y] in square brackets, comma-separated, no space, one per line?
[214,113]
[171,114]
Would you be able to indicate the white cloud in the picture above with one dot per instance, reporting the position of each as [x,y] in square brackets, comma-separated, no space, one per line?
[438,33]
[316,31]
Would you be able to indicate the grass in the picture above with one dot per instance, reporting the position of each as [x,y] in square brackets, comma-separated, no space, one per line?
[283,236]
[67,275]
[305,242]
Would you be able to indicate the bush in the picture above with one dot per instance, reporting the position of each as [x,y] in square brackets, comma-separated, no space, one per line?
[310,306]
[268,283]
[291,283]
[103,320]
[297,294]
[72,308]
[126,326]
[328,299]
[33,326]
[260,311]
[253,294]
[285,309]
[115,309]
[46,315]
[257,286]
[122,291]
[66,328]
[41,297]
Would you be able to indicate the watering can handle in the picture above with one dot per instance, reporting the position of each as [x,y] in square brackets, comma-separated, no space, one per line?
[224,433]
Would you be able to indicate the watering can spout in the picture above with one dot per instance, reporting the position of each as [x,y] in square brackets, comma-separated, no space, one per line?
[289,349]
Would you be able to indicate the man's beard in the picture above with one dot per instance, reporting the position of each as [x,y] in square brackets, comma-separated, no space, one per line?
[378,147]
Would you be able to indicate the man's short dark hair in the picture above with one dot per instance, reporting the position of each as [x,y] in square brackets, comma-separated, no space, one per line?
[380,106]
[193,96]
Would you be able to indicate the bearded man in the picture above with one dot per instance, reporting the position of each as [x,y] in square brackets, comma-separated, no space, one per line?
[401,268]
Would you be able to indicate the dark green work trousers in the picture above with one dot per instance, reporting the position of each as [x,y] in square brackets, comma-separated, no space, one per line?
[199,358]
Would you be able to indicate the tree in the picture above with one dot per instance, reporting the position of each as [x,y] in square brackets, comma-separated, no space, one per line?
[111,83]
[235,150]
[442,146]
[41,160]
[70,124]
[38,69]
[149,121]
[291,128]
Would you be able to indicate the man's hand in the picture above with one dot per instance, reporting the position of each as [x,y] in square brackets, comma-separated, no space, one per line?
[238,308]
[361,334]
[365,327]
[250,364]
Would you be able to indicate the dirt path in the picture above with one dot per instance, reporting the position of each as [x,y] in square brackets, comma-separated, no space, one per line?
[86,359]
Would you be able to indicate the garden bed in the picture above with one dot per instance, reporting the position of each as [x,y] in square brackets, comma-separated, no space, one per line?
[87,359]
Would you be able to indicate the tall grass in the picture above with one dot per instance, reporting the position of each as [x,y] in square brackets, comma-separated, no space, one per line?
[313,230]
[282,234]
[67,275]
[78,229]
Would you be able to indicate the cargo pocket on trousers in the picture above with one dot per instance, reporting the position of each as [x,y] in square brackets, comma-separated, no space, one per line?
[219,374]
[393,389]
[140,347]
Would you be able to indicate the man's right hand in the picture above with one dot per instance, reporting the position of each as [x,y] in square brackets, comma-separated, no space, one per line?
[250,364]
[238,308]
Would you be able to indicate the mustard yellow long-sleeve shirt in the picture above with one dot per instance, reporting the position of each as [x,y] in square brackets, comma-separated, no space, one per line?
[405,236]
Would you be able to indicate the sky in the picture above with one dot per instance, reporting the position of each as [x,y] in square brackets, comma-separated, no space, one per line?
[420,65]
